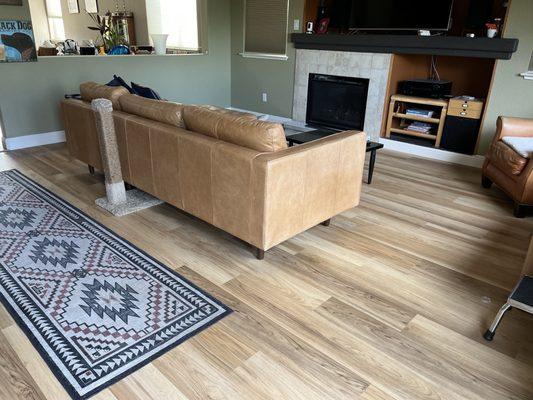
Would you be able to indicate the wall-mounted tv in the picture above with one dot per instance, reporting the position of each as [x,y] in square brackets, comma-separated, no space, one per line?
[401,15]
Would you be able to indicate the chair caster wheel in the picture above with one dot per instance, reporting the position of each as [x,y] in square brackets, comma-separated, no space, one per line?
[489,335]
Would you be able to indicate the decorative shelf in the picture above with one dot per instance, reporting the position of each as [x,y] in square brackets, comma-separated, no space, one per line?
[414,133]
[478,47]
[417,118]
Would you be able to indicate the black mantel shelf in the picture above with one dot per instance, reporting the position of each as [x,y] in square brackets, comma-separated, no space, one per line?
[409,44]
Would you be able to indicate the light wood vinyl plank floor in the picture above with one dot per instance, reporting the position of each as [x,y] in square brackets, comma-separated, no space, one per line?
[389,302]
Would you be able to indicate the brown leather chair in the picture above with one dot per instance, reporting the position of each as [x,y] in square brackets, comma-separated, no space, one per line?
[505,167]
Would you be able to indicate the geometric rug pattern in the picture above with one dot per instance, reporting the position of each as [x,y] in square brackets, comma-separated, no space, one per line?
[96,307]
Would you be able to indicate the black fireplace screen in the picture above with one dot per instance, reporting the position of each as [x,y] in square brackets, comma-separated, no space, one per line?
[336,102]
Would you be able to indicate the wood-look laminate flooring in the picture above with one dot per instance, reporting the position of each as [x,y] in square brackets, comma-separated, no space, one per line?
[389,302]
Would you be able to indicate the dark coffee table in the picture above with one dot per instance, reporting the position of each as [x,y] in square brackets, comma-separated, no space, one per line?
[305,137]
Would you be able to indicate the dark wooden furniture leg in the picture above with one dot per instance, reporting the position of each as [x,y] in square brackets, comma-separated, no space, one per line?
[259,253]
[128,186]
[91,169]
[486,182]
[371,166]
[520,210]
[326,222]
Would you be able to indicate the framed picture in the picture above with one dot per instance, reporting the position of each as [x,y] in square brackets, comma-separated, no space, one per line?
[17,43]
[91,6]
[73,7]
[10,2]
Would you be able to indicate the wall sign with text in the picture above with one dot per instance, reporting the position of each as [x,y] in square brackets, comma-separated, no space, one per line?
[17,43]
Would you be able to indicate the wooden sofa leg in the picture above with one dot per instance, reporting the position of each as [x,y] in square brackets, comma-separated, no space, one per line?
[520,210]
[91,169]
[259,253]
[326,222]
[486,182]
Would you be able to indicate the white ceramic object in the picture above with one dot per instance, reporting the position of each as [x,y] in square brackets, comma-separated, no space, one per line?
[491,33]
[160,43]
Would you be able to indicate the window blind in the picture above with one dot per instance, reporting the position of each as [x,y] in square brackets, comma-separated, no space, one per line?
[265,26]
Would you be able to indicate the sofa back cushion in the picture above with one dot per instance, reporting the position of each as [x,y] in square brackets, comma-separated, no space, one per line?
[256,135]
[242,129]
[156,110]
[201,120]
[92,90]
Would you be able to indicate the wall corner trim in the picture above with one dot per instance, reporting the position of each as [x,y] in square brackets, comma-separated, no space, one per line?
[38,139]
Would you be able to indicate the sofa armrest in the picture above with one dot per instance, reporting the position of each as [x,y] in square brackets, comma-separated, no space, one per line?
[300,187]
[510,126]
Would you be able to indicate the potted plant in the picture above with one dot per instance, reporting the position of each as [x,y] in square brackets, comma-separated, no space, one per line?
[109,33]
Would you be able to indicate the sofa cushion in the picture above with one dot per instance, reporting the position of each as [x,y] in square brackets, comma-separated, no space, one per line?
[522,145]
[232,113]
[117,81]
[254,134]
[235,127]
[92,90]
[156,110]
[205,119]
[144,91]
[201,120]
[506,159]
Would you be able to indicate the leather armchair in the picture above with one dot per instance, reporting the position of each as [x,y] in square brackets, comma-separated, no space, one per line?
[506,168]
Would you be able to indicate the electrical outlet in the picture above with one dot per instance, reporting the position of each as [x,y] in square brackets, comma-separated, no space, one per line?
[264,97]
[296,25]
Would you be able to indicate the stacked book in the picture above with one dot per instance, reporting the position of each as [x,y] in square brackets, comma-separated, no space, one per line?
[419,112]
[421,127]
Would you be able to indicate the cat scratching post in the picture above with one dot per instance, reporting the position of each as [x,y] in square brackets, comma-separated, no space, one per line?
[118,201]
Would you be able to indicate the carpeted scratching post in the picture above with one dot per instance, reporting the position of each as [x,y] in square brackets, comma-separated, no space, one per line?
[118,201]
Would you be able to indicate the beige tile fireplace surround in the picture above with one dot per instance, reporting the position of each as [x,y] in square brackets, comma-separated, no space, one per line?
[372,66]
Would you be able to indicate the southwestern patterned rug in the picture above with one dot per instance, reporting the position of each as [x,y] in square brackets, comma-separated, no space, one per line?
[96,307]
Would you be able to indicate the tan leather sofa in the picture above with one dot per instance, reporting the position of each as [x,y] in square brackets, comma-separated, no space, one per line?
[506,168]
[226,168]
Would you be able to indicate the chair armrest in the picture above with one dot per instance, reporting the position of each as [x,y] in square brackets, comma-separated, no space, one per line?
[510,126]
[300,187]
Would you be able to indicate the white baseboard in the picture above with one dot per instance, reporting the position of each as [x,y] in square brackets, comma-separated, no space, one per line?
[407,148]
[39,139]
[433,154]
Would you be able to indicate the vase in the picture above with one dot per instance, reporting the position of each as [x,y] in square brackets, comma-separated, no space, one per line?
[160,43]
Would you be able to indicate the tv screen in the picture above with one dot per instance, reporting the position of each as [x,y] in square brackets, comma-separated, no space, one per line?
[404,15]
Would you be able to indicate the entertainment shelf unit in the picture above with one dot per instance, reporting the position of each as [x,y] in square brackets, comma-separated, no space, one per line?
[468,62]
[398,117]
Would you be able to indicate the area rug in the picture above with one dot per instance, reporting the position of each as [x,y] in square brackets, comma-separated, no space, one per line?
[96,307]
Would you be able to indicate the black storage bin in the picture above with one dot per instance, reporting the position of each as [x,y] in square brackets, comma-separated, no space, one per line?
[460,134]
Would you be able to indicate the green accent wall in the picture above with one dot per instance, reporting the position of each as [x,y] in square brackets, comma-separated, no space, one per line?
[30,92]
[512,95]
[250,77]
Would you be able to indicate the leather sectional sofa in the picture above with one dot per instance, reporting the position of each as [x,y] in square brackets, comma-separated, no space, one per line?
[226,168]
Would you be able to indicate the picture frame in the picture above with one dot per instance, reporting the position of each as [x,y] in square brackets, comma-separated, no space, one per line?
[73,7]
[91,6]
[17,42]
[10,2]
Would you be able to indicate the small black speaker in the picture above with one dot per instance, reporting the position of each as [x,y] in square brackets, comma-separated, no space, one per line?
[460,134]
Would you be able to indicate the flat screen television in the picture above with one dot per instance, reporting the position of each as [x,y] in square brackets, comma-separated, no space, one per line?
[401,15]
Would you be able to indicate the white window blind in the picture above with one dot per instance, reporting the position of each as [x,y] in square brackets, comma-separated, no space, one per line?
[176,18]
[265,26]
[55,19]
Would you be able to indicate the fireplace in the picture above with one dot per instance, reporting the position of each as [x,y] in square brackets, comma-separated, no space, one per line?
[336,102]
